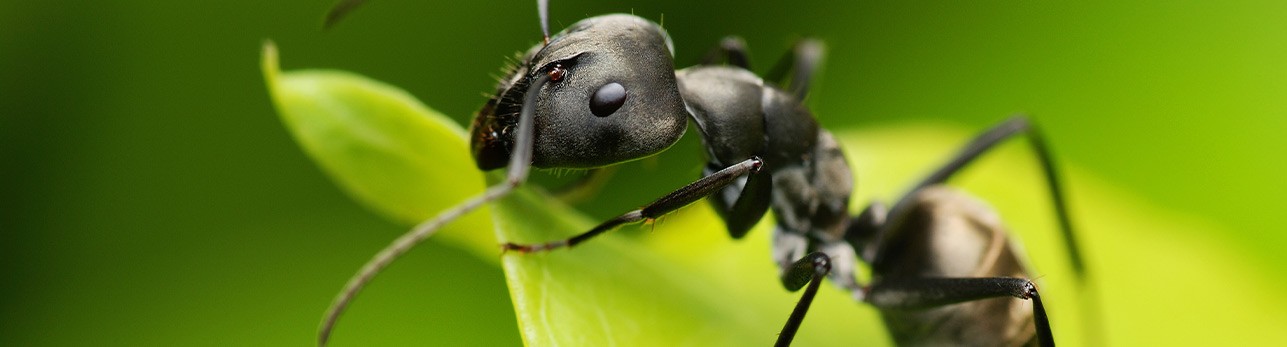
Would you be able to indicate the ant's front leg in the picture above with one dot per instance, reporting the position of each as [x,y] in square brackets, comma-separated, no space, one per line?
[682,197]
[730,48]
[801,63]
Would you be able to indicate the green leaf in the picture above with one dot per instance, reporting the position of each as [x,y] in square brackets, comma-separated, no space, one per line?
[684,282]
[381,145]
[408,162]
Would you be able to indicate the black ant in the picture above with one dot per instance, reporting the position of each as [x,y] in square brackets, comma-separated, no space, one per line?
[604,91]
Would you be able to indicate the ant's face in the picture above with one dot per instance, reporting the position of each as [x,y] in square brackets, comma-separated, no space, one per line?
[611,97]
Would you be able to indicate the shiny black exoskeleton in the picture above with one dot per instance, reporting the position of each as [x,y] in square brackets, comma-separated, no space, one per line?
[605,91]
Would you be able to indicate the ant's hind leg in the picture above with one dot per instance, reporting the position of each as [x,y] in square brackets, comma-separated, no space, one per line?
[810,269]
[921,293]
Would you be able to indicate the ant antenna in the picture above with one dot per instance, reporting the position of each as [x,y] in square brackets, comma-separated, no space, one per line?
[543,8]
[519,165]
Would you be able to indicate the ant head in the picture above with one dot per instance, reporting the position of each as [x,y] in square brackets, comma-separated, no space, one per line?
[611,97]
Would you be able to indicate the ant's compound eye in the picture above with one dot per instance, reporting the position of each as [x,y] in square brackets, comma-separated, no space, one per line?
[608,99]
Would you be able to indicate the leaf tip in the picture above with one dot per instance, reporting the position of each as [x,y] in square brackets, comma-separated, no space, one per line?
[268,62]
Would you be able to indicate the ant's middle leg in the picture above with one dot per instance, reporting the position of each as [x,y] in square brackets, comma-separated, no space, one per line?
[810,269]
[875,234]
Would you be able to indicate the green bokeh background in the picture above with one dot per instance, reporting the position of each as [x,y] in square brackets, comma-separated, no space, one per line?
[150,195]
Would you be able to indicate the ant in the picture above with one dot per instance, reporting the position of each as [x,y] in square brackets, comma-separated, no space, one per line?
[604,91]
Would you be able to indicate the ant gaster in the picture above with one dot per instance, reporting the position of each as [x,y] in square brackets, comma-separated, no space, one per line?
[604,91]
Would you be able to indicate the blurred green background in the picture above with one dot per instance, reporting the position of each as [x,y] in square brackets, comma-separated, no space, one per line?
[152,197]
